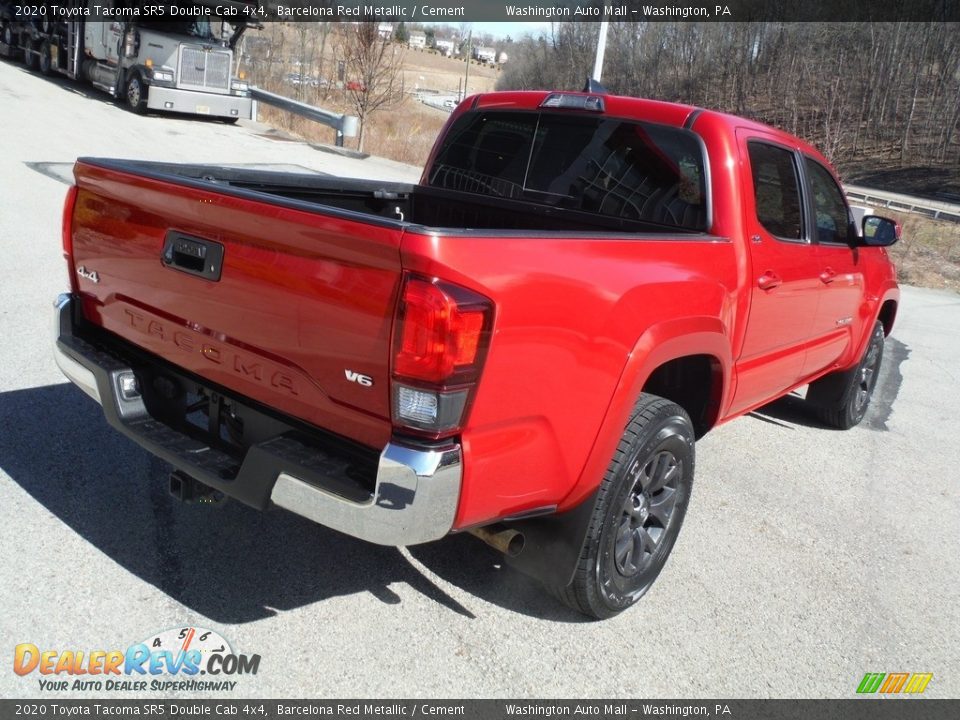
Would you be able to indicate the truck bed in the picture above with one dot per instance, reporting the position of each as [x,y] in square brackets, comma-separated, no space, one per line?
[435,208]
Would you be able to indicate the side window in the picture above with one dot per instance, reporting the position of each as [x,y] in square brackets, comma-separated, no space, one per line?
[833,217]
[776,190]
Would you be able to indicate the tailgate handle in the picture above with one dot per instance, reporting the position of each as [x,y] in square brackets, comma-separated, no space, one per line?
[203,258]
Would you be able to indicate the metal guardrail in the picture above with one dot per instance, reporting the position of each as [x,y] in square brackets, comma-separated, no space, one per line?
[345,125]
[896,201]
[441,101]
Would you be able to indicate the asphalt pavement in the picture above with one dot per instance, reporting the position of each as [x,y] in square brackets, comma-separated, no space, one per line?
[808,557]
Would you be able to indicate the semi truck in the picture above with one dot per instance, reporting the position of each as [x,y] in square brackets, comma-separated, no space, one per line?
[154,57]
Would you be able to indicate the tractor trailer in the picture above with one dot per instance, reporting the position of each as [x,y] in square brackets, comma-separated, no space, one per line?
[183,61]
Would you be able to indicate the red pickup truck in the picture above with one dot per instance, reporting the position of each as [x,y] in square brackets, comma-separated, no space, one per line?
[523,345]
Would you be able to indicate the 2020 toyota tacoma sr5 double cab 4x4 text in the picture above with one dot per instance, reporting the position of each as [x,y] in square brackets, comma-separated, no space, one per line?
[523,345]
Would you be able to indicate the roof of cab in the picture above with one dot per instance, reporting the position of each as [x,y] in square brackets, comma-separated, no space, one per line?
[617,105]
[659,111]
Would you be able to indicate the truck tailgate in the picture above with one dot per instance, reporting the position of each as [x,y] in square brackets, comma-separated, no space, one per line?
[298,315]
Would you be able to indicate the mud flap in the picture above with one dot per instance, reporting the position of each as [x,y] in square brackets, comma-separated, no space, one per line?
[553,543]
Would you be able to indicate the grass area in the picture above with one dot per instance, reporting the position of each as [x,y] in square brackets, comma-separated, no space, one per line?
[405,133]
[928,254]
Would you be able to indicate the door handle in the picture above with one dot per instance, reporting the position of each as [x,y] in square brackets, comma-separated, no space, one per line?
[828,276]
[769,280]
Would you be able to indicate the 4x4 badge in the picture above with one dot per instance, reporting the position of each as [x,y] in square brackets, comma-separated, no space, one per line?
[90,275]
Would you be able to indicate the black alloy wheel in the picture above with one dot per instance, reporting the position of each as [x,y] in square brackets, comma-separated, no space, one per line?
[648,512]
[638,511]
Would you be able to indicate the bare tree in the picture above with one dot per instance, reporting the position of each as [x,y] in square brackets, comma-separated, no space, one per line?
[876,94]
[306,49]
[321,82]
[264,55]
[374,80]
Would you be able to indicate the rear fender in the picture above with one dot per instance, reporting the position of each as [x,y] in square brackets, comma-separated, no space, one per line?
[554,543]
[659,344]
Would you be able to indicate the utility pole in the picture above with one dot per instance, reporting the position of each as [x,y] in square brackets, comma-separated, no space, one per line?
[466,75]
[601,48]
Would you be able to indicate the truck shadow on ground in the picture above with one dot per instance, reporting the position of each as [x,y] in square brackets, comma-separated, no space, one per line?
[232,564]
[788,411]
[86,90]
[794,410]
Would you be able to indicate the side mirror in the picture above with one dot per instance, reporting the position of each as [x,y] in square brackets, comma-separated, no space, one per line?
[879,231]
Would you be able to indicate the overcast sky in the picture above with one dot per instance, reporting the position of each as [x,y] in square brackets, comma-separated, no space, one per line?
[515,30]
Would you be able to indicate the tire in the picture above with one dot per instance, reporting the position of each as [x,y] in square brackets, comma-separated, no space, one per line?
[639,510]
[842,398]
[46,61]
[136,94]
[30,58]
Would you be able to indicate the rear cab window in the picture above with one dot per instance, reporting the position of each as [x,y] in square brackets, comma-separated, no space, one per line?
[612,167]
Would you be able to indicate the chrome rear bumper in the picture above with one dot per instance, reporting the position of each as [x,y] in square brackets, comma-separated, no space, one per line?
[415,500]
[417,487]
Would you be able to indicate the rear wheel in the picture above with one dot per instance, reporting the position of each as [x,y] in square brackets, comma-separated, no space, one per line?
[30,58]
[641,505]
[46,59]
[7,36]
[136,94]
[842,398]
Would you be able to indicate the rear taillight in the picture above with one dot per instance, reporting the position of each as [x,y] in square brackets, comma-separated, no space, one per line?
[66,232]
[440,343]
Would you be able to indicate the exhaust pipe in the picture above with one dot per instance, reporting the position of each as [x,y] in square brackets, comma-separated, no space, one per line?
[189,490]
[507,540]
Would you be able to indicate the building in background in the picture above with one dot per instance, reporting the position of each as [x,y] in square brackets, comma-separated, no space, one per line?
[418,39]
